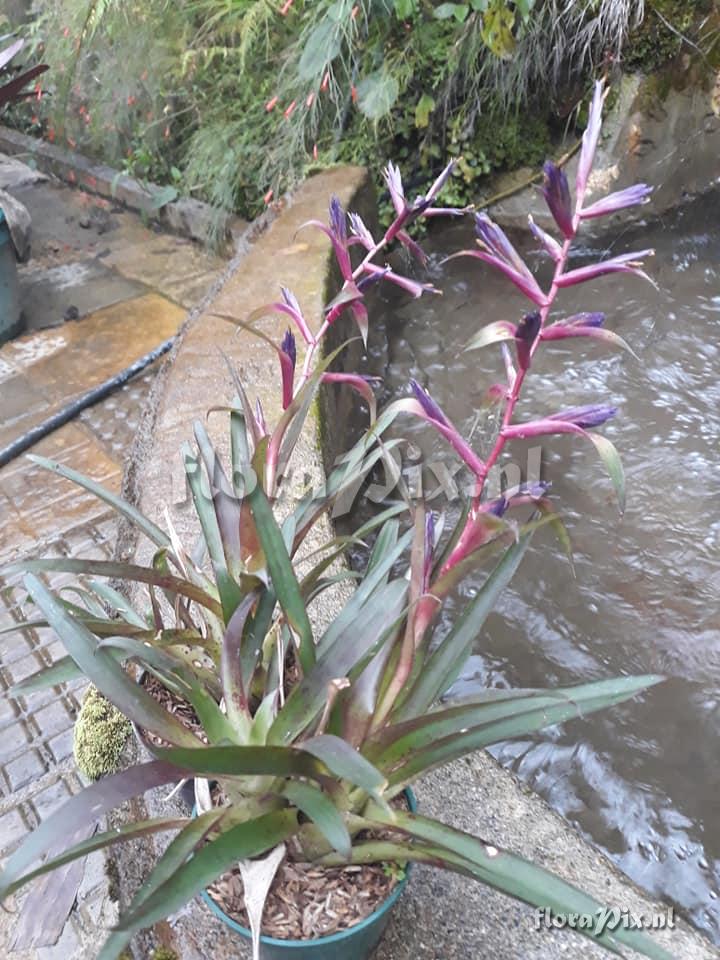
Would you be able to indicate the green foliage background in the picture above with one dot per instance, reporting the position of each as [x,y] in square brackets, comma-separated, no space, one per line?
[176,91]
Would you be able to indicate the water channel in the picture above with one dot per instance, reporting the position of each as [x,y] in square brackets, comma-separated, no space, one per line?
[642,781]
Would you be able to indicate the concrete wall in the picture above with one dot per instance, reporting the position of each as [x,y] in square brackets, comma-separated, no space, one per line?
[441,915]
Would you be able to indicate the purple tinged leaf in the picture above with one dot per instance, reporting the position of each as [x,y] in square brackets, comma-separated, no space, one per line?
[584,320]
[630,197]
[560,331]
[496,242]
[428,549]
[526,334]
[288,357]
[627,263]
[395,186]
[556,191]
[414,248]
[359,230]
[413,287]
[527,286]
[447,211]
[338,223]
[439,182]
[289,307]
[549,243]
[425,407]
[591,415]
[359,383]
[430,406]
[590,142]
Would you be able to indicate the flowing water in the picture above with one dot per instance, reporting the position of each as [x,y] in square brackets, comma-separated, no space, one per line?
[642,780]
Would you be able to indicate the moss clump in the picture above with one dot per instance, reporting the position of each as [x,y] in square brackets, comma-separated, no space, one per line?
[99,736]
[659,38]
[162,953]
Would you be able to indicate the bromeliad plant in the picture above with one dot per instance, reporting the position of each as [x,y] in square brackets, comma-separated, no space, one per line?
[312,734]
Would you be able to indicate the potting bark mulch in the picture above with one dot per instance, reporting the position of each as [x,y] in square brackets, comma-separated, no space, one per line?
[305,901]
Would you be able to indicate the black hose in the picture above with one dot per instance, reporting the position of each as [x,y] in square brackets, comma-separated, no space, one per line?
[85,400]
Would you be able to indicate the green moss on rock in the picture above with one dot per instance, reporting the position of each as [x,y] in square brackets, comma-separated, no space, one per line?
[162,953]
[99,736]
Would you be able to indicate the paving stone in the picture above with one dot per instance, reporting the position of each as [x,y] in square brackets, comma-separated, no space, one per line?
[50,799]
[50,296]
[14,739]
[28,766]
[23,668]
[54,718]
[12,829]
[61,746]
[68,947]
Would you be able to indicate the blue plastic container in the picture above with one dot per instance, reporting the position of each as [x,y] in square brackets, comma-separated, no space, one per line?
[10,315]
[355,943]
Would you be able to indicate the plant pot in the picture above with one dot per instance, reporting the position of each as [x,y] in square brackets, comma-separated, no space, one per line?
[354,943]
[10,314]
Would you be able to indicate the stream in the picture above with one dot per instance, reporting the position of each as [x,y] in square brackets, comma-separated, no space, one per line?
[641,781]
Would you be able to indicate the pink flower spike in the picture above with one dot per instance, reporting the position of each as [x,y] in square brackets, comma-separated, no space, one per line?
[630,197]
[627,263]
[271,104]
[590,141]
[290,110]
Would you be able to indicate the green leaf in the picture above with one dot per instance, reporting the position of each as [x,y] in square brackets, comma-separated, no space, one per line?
[85,807]
[151,530]
[250,838]
[229,590]
[169,863]
[120,571]
[345,762]
[444,664]
[320,49]
[423,109]
[377,93]
[405,8]
[283,577]
[446,10]
[613,464]
[230,663]
[104,672]
[497,715]
[351,647]
[323,813]
[497,26]
[234,761]
[519,878]
[99,841]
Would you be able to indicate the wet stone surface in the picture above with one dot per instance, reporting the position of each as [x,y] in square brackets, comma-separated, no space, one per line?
[133,286]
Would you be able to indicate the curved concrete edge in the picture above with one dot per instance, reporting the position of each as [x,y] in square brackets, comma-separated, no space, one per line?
[441,915]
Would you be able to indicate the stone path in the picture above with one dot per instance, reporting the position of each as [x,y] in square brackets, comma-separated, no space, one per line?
[131,288]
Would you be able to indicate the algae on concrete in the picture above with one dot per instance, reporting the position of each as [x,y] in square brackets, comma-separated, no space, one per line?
[99,736]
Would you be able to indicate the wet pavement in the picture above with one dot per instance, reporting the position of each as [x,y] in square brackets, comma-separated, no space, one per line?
[129,289]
